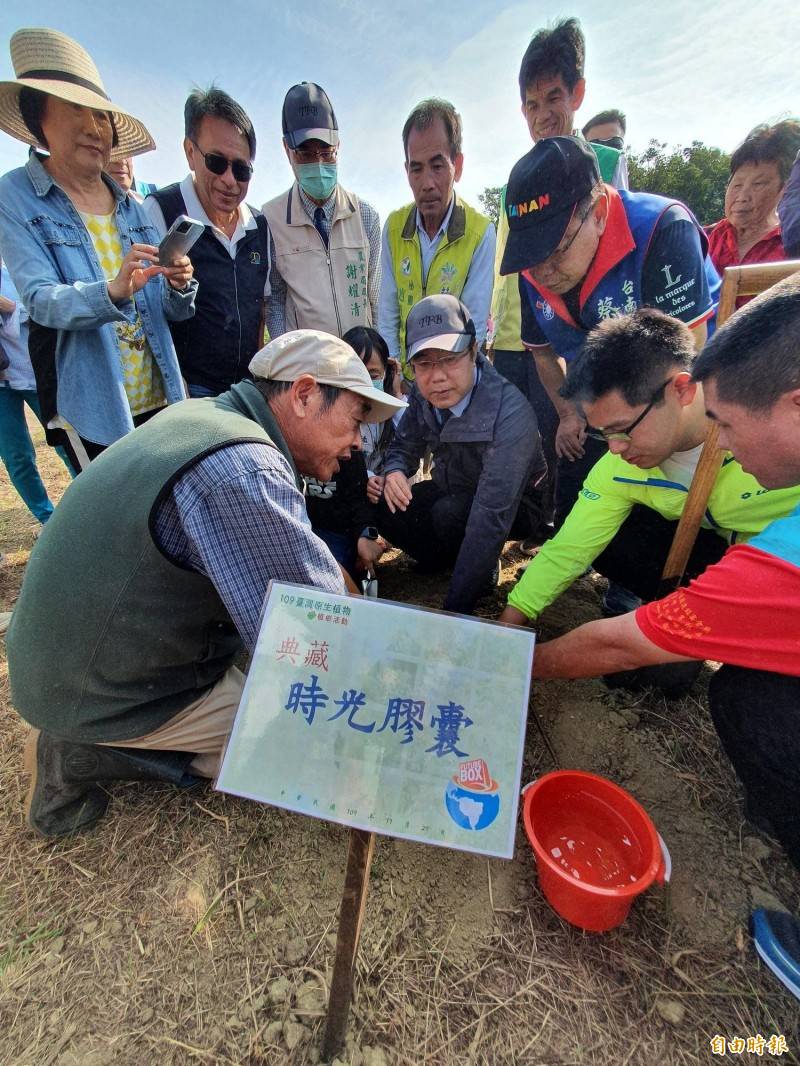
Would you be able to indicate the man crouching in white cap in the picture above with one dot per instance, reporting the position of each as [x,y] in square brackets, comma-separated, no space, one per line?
[172,535]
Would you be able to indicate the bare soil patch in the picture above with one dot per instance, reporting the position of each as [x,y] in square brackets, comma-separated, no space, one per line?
[192,927]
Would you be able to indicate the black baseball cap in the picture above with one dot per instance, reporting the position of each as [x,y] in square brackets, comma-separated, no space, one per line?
[543,189]
[308,115]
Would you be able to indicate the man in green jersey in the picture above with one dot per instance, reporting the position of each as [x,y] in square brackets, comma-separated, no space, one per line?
[633,383]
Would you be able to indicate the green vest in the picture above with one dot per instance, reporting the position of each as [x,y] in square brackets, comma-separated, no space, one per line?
[450,264]
[109,638]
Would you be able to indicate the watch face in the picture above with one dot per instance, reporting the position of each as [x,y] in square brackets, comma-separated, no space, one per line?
[371,533]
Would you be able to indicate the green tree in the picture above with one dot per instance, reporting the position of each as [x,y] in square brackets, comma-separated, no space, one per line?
[490,200]
[696,175]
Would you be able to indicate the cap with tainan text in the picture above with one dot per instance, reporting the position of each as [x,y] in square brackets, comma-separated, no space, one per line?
[543,191]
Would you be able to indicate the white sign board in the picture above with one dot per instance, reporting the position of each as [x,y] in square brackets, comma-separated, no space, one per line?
[384,717]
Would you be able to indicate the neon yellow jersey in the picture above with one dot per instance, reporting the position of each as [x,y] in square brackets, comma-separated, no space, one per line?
[738,508]
[144,386]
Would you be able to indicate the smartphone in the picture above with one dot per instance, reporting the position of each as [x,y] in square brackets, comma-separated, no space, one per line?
[179,238]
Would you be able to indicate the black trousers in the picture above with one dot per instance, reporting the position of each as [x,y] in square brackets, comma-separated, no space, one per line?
[520,369]
[757,716]
[431,528]
[92,450]
[636,556]
[571,474]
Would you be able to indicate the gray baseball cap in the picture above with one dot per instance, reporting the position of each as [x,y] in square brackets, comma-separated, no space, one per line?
[439,321]
[308,115]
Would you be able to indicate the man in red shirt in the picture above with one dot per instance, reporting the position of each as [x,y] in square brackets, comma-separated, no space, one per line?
[745,610]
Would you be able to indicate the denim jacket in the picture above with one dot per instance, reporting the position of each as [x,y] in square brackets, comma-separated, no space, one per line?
[53,264]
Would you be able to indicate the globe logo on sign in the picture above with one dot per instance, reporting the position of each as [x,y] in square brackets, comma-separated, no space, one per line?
[472,798]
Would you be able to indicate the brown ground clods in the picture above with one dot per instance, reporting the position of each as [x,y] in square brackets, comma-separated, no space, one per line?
[192,927]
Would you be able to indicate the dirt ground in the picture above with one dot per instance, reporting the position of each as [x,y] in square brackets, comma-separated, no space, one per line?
[192,927]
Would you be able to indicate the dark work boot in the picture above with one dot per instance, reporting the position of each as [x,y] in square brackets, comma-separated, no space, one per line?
[64,794]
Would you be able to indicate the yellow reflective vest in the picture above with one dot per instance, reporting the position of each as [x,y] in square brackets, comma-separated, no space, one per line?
[450,264]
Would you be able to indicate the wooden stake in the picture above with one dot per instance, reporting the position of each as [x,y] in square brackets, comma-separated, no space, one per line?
[708,466]
[738,281]
[351,915]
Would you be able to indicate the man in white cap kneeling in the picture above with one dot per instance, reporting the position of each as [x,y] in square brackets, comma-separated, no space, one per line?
[173,535]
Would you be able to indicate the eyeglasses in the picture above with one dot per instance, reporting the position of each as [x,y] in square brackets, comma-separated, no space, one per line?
[559,253]
[446,363]
[218,164]
[625,434]
[316,155]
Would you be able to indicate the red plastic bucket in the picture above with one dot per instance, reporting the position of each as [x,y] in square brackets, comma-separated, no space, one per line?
[596,848]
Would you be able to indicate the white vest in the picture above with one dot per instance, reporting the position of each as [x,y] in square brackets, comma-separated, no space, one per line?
[326,287]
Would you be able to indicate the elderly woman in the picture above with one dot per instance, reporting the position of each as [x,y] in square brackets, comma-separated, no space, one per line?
[750,231]
[82,253]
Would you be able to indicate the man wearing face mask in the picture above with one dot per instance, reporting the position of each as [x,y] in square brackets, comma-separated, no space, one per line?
[325,242]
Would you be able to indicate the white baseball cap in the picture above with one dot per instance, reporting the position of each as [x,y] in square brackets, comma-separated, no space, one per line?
[330,361]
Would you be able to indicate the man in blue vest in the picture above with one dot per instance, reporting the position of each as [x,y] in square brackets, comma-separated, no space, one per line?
[552,87]
[587,252]
[231,259]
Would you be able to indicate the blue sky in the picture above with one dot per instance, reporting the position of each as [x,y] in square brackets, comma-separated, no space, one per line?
[680,70]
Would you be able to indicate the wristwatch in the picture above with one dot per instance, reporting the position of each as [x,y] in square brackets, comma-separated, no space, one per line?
[370,533]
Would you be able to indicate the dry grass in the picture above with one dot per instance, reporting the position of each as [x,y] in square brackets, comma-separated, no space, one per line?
[195,928]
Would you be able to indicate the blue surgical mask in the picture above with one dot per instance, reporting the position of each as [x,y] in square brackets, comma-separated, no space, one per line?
[378,384]
[317,180]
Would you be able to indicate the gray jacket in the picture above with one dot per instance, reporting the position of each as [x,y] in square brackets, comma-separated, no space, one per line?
[492,450]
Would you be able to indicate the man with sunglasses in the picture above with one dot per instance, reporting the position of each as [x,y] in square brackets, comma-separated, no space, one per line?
[486,449]
[587,252]
[632,382]
[231,258]
[325,241]
[607,128]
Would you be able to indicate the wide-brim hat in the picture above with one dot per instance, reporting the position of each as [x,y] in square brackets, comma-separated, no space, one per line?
[53,63]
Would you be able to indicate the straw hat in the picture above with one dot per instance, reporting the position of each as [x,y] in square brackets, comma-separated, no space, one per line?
[53,63]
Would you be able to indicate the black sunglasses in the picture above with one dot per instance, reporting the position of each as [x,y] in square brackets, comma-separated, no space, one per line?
[218,164]
[610,142]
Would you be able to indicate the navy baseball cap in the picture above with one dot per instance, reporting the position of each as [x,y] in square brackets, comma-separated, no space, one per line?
[542,192]
[308,115]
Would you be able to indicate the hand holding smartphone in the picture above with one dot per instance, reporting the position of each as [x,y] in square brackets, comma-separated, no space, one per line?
[179,239]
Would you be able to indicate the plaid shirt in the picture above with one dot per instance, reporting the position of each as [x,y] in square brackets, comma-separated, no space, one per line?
[276,312]
[238,518]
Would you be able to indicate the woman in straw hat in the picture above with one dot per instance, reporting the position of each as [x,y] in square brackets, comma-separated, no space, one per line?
[82,253]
